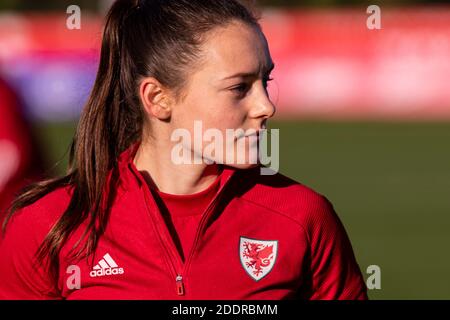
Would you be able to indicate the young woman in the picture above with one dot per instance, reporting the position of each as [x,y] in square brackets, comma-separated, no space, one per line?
[129,222]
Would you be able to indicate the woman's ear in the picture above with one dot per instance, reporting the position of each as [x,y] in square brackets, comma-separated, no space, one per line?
[155,98]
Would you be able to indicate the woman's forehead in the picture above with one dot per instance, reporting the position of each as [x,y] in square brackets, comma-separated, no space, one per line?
[234,49]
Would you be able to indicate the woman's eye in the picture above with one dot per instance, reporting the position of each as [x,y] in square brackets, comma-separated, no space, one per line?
[241,89]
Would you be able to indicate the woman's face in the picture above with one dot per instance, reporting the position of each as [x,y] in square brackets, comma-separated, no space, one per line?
[228,91]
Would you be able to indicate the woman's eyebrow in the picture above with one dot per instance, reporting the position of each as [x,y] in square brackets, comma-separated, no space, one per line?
[251,74]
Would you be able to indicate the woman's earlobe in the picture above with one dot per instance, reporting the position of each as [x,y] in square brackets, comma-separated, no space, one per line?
[154,99]
[161,110]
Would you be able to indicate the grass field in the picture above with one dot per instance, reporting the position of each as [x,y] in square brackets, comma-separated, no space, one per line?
[389,183]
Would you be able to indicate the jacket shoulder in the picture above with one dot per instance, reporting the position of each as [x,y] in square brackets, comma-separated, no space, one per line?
[43,213]
[20,275]
[286,196]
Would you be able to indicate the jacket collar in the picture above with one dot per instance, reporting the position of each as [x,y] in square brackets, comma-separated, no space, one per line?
[130,176]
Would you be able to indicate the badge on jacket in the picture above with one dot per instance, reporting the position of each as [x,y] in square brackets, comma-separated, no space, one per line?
[257,256]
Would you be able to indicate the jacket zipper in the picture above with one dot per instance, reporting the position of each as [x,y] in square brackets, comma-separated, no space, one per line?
[169,258]
[179,284]
[200,228]
[179,277]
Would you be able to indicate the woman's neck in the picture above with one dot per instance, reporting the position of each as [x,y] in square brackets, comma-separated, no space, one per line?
[162,173]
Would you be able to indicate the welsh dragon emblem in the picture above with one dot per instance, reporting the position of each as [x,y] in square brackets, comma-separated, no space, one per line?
[257,256]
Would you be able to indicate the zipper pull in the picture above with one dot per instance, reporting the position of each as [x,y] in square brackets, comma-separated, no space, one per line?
[180,286]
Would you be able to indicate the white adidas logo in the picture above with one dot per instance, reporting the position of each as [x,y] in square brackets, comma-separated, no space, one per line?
[106,267]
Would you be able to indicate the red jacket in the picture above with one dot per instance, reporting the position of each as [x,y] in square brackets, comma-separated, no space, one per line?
[262,237]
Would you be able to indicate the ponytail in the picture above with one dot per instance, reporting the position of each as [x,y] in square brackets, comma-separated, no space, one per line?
[106,127]
[141,38]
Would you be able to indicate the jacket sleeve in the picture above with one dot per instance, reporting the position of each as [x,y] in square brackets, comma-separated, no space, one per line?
[335,274]
[21,277]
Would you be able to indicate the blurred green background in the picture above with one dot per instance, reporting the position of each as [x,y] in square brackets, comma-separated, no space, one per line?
[388,181]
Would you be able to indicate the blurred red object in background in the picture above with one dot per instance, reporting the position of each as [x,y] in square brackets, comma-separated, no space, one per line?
[329,65]
[21,162]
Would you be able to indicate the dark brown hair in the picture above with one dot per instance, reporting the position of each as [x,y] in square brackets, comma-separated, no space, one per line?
[159,38]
